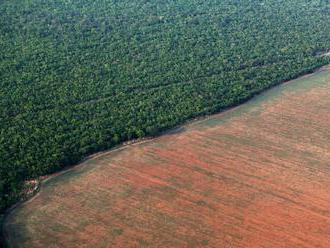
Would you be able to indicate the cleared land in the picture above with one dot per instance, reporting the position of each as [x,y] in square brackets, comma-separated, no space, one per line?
[255,176]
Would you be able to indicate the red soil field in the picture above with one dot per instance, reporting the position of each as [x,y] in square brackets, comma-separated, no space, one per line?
[254,176]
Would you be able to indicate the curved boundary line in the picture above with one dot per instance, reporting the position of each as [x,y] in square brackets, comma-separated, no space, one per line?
[5,242]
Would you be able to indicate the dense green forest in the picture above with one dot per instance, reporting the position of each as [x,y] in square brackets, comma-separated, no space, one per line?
[80,76]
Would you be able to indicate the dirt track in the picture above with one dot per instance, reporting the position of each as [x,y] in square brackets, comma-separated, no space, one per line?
[256,176]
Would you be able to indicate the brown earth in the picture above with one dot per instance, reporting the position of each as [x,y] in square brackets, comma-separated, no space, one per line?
[255,176]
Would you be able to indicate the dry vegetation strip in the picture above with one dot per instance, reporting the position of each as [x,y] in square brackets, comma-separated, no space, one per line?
[257,176]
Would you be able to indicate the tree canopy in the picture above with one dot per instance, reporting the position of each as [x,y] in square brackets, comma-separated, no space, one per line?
[81,76]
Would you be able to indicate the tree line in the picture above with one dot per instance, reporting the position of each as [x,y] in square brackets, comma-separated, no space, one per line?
[77,77]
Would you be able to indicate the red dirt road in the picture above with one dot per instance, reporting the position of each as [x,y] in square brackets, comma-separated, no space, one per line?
[256,176]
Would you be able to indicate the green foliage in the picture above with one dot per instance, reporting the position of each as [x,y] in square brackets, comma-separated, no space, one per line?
[81,76]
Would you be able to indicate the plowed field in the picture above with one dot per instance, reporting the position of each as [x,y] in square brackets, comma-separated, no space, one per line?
[255,176]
